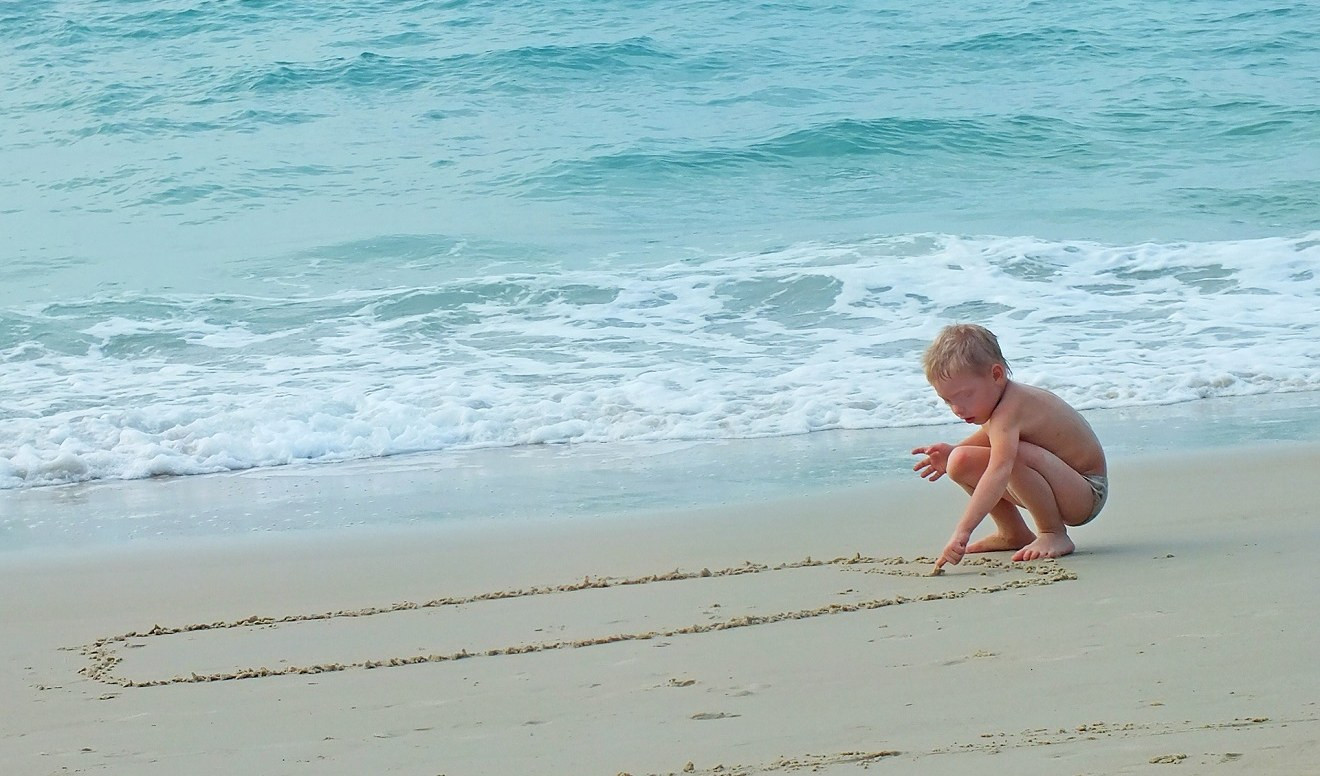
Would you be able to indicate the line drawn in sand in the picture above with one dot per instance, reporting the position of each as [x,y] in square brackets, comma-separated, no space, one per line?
[106,656]
[993,743]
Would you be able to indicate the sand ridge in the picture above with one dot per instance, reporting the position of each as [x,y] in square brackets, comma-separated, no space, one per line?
[105,654]
[994,743]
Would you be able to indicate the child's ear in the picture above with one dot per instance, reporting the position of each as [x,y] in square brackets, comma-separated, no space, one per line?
[997,372]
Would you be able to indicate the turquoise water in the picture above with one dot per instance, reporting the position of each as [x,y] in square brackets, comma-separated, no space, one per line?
[239,235]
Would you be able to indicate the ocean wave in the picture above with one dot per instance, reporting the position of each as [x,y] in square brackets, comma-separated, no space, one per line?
[367,70]
[161,24]
[1044,41]
[158,127]
[523,67]
[606,57]
[808,338]
[1277,200]
[1022,136]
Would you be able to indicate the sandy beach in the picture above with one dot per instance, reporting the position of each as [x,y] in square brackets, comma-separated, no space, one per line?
[798,636]
[529,389]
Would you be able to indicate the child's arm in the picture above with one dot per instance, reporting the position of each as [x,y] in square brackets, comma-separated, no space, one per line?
[980,438]
[989,490]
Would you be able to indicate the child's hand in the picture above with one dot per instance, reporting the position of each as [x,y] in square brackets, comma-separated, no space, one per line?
[936,462]
[953,551]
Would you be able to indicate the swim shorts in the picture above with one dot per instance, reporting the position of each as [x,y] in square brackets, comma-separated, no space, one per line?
[1100,487]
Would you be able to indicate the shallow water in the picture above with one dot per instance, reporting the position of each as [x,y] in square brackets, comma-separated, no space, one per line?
[509,488]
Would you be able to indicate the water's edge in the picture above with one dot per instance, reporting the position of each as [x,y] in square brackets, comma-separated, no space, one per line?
[559,482]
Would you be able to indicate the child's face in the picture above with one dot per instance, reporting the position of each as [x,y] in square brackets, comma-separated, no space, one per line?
[972,396]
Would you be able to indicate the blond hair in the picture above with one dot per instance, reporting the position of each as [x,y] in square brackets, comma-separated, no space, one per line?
[961,348]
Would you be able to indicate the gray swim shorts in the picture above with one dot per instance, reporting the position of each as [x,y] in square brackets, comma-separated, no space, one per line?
[1100,487]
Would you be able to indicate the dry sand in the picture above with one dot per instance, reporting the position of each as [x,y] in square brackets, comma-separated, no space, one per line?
[803,636]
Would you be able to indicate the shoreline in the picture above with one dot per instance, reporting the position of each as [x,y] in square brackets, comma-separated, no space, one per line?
[1178,630]
[549,483]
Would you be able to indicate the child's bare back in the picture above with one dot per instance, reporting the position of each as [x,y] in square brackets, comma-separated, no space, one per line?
[1045,420]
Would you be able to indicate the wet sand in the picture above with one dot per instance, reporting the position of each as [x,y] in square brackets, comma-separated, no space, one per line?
[796,636]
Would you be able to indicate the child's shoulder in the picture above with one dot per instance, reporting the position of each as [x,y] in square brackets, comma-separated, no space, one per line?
[1036,393]
[1031,400]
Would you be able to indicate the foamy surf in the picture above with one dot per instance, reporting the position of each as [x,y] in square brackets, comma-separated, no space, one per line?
[809,338]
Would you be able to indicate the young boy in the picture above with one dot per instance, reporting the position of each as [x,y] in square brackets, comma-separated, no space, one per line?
[1032,450]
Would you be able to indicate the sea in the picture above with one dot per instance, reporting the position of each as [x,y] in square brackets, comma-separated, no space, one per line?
[287,239]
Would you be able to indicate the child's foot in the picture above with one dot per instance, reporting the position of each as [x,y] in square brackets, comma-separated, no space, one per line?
[1047,545]
[1000,542]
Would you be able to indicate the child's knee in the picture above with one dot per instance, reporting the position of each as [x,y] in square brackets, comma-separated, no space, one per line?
[966,464]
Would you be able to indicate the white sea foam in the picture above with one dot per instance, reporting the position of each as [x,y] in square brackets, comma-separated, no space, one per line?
[803,339]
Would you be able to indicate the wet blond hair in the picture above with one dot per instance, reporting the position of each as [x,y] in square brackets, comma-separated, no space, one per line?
[961,348]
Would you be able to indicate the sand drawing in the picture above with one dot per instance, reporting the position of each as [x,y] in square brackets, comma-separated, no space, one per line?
[989,743]
[808,762]
[784,592]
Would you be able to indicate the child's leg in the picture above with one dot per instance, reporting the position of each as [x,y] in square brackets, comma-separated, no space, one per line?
[1051,490]
[1055,494]
[966,466]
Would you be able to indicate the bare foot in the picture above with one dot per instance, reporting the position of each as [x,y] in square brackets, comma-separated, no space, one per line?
[1047,545]
[999,542]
